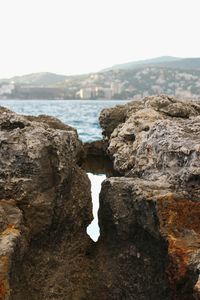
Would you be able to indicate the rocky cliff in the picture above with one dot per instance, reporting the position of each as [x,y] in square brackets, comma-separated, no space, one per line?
[149,247]
[45,207]
[155,146]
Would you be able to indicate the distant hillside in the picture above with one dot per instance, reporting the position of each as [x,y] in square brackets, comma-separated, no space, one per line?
[162,75]
[163,61]
[183,64]
[43,79]
[141,63]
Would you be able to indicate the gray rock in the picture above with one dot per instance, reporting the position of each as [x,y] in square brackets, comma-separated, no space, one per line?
[156,150]
[42,190]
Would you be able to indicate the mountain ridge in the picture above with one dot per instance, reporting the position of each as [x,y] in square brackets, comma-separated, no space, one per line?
[48,78]
[163,75]
[132,64]
[39,78]
[163,61]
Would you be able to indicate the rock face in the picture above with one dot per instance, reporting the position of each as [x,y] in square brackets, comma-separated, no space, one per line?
[149,213]
[44,197]
[156,148]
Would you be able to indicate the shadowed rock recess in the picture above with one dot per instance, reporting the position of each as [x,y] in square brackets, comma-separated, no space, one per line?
[149,216]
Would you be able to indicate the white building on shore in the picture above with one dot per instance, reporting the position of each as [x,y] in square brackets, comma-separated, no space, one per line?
[6,88]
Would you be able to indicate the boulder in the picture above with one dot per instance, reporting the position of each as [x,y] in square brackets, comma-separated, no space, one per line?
[156,149]
[43,193]
[151,143]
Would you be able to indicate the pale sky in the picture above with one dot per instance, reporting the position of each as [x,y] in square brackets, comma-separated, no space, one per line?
[79,36]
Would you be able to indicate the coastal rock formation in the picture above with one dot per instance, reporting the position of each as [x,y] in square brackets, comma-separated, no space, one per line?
[156,149]
[44,196]
[149,247]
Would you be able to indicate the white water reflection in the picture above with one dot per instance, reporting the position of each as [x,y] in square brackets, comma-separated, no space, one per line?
[93,228]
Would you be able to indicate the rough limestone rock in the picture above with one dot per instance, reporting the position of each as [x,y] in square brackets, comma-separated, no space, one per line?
[149,247]
[156,148]
[44,197]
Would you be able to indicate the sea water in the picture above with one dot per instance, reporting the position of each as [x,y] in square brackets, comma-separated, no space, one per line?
[81,114]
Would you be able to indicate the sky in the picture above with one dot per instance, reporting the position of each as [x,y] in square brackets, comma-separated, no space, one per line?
[82,36]
[96,180]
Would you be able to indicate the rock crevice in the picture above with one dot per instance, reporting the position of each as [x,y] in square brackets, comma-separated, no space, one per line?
[149,213]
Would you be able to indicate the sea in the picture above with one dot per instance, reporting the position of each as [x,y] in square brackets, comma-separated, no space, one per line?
[82,115]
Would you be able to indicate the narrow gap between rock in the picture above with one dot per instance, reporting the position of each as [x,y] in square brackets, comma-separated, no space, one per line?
[98,166]
[96,180]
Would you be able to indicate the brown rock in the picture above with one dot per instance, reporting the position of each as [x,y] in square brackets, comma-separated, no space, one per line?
[43,193]
[149,216]
[161,197]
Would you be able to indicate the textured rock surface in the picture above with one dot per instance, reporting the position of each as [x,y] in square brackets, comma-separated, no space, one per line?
[156,148]
[149,246]
[44,196]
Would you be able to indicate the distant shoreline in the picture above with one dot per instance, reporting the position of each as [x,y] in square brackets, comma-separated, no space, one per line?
[81,100]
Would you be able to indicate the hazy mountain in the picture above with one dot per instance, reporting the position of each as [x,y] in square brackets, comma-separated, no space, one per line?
[163,61]
[140,63]
[43,79]
[51,79]
[183,64]
[166,74]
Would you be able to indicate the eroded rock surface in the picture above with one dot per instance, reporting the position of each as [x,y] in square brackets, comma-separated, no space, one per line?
[156,148]
[149,213]
[45,204]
